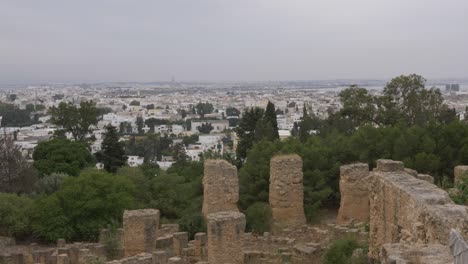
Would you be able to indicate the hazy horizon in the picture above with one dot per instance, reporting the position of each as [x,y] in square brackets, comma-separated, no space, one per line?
[216,40]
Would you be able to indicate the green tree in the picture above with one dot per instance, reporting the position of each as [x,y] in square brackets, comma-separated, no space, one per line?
[61,156]
[204,108]
[205,128]
[83,206]
[358,106]
[77,121]
[258,217]
[15,215]
[140,124]
[406,98]
[270,121]
[112,153]
[246,131]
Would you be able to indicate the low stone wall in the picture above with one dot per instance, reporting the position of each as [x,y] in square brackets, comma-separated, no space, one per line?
[404,209]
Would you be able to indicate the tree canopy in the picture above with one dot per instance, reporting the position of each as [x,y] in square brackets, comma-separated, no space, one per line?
[61,156]
[76,120]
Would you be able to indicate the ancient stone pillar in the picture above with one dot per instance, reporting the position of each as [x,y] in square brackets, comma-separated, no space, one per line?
[354,190]
[286,191]
[140,231]
[220,187]
[180,241]
[459,172]
[225,231]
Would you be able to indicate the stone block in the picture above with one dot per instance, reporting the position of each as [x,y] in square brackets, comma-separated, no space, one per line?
[160,257]
[140,231]
[385,165]
[220,187]
[425,177]
[225,232]
[180,241]
[286,193]
[354,190]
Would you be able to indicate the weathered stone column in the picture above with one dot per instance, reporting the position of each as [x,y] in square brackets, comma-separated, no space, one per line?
[286,191]
[180,241]
[225,231]
[459,172]
[220,187]
[140,231]
[354,190]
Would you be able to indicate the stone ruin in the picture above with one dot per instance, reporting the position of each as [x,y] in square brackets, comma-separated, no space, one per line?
[286,193]
[220,187]
[354,190]
[143,239]
[225,231]
[140,231]
[410,217]
[410,220]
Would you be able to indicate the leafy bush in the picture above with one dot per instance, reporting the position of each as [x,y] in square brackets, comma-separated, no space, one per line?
[82,206]
[50,183]
[258,217]
[461,196]
[341,252]
[14,215]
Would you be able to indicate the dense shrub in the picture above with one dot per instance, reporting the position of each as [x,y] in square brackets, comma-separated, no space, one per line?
[341,251]
[14,215]
[258,217]
[82,206]
[50,183]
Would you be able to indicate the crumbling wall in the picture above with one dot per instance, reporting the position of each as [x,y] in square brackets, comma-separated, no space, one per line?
[354,190]
[140,231]
[220,187]
[407,210]
[225,232]
[286,191]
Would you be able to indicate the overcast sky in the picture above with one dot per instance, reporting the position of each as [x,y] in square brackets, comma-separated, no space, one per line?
[235,40]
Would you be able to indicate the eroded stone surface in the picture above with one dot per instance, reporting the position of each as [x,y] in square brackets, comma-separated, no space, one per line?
[409,254]
[220,187]
[140,231]
[407,210]
[225,232]
[354,190]
[286,193]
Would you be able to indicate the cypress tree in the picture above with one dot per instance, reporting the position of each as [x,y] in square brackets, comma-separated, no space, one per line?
[112,153]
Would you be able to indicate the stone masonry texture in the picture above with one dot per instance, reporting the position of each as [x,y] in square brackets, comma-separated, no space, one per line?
[354,189]
[220,187]
[140,231]
[407,210]
[225,232]
[286,191]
